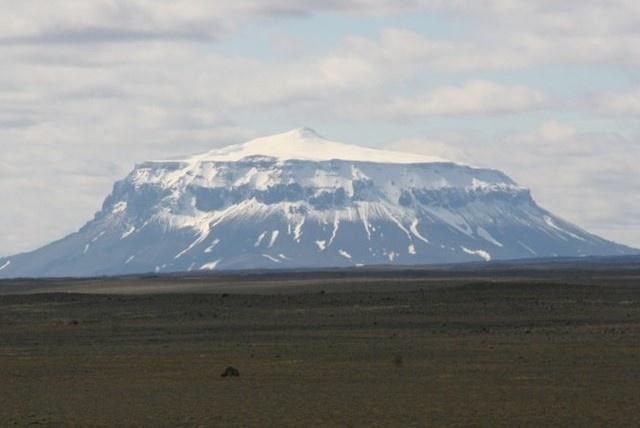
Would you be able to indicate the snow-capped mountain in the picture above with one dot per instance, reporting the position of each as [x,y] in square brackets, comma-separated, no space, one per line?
[299,200]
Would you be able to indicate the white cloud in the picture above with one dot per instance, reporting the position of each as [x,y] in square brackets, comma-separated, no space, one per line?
[621,104]
[68,21]
[472,97]
[495,48]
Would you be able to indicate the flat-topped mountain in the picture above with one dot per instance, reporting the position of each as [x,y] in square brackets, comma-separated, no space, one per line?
[299,200]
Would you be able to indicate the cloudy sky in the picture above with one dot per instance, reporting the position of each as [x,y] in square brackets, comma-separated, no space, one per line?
[547,91]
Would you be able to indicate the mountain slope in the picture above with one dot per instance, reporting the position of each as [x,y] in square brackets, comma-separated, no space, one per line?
[287,201]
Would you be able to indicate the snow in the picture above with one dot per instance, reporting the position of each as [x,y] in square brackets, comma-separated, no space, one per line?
[212,246]
[190,247]
[307,144]
[204,222]
[119,207]
[480,184]
[274,237]
[273,259]
[549,221]
[210,266]
[412,249]
[484,234]
[526,247]
[259,240]
[129,260]
[297,231]
[336,225]
[362,212]
[357,174]
[398,223]
[86,248]
[95,238]
[322,245]
[414,230]
[480,253]
[344,254]
[247,178]
[451,218]
[551,224]
[128,233]
[5,265]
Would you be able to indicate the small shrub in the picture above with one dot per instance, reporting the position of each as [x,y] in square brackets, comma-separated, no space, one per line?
[230,371]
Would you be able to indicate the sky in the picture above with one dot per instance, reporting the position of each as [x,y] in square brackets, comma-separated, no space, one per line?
[547,91]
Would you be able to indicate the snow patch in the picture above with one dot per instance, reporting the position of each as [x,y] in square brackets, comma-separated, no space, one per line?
[210,266]
[274,237]
[400,226]
[247,178]
[362,211]
[126,234]
[414,230]
[297,231]
[412,249]
[480,253]
[273,259]
[549,221]
[95,238]
[336,225]
[119,207]
[344,254]
[129,260]
[454,220]
[484,234]
[5,265]
[322,245]
[204,222]
[260,238]
[189,248]
[526,247]
[212,246]
[357,174]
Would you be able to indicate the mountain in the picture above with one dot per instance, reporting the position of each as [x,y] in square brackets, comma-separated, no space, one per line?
[298,200]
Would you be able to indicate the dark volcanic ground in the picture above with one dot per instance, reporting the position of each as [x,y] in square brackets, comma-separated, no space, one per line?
[536,348]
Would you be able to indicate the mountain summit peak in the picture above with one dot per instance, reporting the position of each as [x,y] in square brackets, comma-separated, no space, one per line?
[306,132]
[307,144]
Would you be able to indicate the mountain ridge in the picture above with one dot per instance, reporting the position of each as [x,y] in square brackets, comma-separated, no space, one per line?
[247,207]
